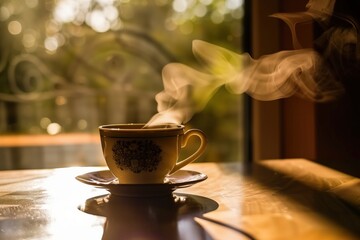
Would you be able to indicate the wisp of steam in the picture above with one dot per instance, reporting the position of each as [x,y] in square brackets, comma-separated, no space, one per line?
[301,72]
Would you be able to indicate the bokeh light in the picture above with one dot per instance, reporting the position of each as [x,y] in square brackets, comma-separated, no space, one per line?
[217,17]
[180,5]
[14,27]
[111,13]
[60,100]
[82,124]
[29,39]
[234,4]
[100,15]
[51,44]
[97,20]
[200,10]
[53,128]
[65,11]
[4,13]
[44,122]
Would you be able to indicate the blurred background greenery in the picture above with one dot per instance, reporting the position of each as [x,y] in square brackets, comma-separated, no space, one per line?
[71,65]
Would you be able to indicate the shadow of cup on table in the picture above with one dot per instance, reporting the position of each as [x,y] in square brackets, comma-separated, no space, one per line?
[137,154]
[166,217]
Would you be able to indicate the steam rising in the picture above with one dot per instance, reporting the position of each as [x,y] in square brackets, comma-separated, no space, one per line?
[302,72]
[283,74]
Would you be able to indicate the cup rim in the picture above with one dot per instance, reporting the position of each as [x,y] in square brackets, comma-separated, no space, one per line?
[136,130]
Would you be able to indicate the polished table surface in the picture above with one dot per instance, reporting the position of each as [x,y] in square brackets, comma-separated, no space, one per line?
[273,199]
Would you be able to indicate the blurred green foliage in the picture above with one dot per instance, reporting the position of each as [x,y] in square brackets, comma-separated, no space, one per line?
[74,61]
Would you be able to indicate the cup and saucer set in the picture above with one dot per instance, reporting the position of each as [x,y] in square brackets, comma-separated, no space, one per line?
[143,161]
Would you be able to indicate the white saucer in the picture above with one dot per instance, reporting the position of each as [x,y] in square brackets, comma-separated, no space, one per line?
[105,179]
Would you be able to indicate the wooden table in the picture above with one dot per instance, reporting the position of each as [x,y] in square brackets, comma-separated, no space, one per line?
[276,199]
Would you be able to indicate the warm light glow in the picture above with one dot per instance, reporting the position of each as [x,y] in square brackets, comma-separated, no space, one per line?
[15,27]
[53,128]
[188,10]
[200,10]
[111,13]
[101,19]
[54,42]
[60,100]
[180,5]
[65,11]
[98,21]
[234,4]
[61,207]
[60,39]
[51,44]
[52,27]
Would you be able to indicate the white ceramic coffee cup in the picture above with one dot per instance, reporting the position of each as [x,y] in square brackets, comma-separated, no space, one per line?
[139,155]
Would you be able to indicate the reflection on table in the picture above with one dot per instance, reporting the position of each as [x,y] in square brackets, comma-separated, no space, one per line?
[275,199]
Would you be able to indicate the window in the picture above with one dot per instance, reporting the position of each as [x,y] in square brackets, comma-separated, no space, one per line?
[68,66]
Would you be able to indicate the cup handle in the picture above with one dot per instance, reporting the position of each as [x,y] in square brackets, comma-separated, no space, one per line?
[203,142]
